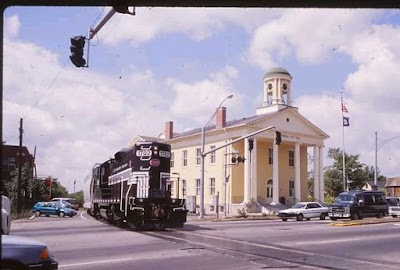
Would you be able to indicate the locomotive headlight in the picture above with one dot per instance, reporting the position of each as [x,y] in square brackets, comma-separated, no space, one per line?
[173,200]
[140,200]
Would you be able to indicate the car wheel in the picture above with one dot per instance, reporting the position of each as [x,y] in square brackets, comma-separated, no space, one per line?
[394,216]
[308,218]
[61,214]
[300,217]
[284,219]
[37,213]
[322,216]
[355,216]
[333,219]
[380,215]
[47,215]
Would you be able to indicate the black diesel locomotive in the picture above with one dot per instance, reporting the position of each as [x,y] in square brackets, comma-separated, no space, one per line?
[134,188]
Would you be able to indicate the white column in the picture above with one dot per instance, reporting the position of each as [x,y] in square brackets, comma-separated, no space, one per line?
[321,174]
[246,172]
[297,181]
[254,171]
[316,173]
[275,175]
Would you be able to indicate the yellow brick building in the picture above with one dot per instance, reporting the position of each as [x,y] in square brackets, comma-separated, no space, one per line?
[271,174]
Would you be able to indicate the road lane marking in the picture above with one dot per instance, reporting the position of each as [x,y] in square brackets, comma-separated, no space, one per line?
[83,216]
[264,246]
[94,262]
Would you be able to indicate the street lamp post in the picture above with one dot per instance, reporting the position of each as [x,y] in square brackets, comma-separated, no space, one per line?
[203,130]
[377,148]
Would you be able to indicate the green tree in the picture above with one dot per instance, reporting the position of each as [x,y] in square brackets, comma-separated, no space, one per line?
[357,173]
[78,196]
[58,190]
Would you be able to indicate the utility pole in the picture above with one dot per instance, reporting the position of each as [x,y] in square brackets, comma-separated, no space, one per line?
[19,179]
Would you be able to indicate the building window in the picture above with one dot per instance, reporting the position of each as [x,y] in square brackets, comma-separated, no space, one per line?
[269,189]
[212,186]
[198,156]
[270,156]
[291,189]
[172,159]
[212,155]
[11,164]
[183,188]
[291,158]
[184,158]
[197,187]
[212,208]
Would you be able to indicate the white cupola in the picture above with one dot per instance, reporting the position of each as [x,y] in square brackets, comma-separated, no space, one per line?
[277,84]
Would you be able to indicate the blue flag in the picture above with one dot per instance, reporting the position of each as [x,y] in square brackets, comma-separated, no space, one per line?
[346,121]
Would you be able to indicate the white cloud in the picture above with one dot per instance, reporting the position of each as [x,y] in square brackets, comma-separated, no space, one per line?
[310,35]
[205,96]
[11,26]
[197,23]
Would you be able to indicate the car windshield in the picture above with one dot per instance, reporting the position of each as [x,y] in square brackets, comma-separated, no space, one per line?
[392,201]
[344,198]
[299,205]
[59,205]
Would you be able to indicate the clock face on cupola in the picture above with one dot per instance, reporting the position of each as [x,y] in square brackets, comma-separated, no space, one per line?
[277,87]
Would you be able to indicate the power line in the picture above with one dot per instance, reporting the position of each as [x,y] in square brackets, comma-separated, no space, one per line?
[47,89]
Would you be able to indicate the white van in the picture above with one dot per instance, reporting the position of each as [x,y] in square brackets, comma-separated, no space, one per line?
[394,206]
[5,215]
[74,203]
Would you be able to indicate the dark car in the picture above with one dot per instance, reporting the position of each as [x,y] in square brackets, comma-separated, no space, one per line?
[357,204]
[19,252]
[52,208]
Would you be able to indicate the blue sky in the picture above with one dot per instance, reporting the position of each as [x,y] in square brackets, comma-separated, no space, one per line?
[177,64]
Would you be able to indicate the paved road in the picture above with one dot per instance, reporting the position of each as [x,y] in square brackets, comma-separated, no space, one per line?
[84,243]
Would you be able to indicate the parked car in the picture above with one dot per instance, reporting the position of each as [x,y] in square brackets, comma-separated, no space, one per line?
[73,202]
[52,208]
[394,206]
[19,252]
[357,204]
[5,215]
[65,204]
[306,210]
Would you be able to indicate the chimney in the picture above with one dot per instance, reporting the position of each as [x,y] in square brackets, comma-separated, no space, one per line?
[221,118]
[169,130]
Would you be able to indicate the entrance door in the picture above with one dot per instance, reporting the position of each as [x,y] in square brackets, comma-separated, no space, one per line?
[269,191]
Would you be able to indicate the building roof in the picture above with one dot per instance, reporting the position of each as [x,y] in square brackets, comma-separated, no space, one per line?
[275,71]
[380,184]
[248,121]
[393,182]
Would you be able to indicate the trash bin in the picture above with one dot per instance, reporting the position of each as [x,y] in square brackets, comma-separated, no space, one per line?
[282,200]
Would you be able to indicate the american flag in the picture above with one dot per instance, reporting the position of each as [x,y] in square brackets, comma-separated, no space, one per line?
[344,109]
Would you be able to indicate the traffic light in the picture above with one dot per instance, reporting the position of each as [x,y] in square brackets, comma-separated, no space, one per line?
[278,138]
[236,160]
[251,144]
[77,46]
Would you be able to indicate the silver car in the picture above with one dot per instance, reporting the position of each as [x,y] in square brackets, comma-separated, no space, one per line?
[304,210]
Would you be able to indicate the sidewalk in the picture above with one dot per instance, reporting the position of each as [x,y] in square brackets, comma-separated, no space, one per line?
[213,218]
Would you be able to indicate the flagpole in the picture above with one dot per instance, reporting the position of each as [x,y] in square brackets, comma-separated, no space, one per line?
[343,161]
